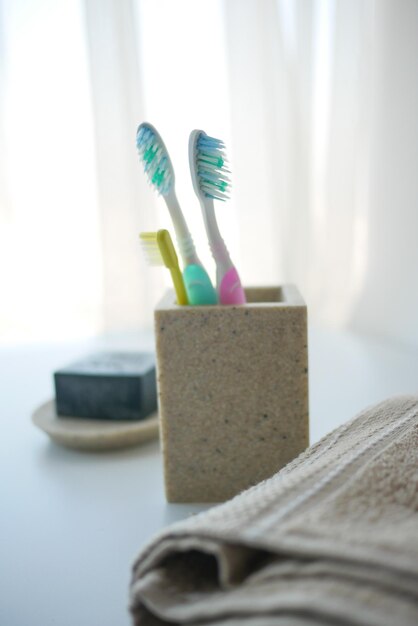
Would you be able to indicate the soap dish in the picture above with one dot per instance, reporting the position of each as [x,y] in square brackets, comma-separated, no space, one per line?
[93,434]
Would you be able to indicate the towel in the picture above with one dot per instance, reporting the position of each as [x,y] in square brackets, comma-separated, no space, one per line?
[332,538]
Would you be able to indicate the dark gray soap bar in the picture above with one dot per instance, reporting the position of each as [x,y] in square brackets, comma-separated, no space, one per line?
[109,385]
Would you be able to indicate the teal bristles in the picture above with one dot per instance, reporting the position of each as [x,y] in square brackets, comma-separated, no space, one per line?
[212,170]
[155,159]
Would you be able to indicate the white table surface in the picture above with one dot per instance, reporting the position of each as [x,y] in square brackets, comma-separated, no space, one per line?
[71,523]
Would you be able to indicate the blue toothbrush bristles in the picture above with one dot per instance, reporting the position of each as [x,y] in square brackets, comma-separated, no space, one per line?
[156,162]
[212,168]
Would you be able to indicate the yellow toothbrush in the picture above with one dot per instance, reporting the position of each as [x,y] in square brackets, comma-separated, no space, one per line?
[159,250]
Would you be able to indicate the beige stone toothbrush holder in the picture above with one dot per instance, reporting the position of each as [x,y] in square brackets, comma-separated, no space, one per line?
[232,391]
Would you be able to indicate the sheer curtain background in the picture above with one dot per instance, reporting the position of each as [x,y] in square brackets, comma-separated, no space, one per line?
[317,101]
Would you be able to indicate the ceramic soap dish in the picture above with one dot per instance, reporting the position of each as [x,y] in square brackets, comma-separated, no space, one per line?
[94,434]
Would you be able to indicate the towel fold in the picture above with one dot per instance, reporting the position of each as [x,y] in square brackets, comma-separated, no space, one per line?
[330,539]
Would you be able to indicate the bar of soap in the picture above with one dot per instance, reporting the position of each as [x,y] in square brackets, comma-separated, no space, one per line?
[109,385]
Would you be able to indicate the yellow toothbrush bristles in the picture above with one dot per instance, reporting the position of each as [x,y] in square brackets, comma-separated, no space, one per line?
[159,250]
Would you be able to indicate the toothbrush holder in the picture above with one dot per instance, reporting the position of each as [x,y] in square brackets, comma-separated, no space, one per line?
[232,391]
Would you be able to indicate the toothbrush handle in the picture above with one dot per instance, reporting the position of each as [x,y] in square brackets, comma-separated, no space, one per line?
[230,288]
[184,239]
[179,286]
[199,289]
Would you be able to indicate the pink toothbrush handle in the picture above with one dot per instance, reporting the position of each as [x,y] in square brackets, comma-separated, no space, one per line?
[230,289]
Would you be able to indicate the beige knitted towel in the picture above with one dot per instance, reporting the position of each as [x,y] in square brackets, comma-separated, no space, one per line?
[330,539]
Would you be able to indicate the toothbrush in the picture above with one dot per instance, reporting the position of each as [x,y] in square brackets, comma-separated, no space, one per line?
[160,172]
[210,181]
[159,250]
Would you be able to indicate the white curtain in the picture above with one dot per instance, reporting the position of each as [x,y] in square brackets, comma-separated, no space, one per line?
[317,101]
[325,135]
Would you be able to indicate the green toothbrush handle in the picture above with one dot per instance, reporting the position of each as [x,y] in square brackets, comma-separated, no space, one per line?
[199,288]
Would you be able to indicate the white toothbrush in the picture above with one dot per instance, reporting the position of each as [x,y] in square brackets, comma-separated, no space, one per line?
[160,172]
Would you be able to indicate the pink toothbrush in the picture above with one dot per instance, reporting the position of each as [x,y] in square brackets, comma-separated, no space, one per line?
[210,182]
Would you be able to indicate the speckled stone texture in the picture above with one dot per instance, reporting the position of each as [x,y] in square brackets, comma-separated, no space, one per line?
[232,391]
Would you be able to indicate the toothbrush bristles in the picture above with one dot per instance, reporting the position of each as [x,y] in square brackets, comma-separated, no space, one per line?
[151,250]
[212,168]
[156,162]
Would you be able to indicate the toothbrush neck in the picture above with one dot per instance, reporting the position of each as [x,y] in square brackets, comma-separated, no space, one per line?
[216,243]
[184,239]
